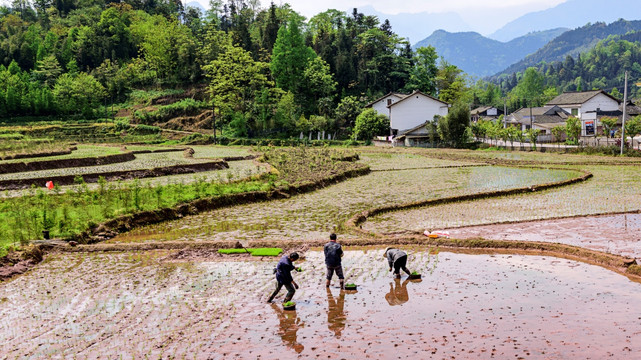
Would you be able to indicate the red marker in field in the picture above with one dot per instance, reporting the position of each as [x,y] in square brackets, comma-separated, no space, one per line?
[49,185]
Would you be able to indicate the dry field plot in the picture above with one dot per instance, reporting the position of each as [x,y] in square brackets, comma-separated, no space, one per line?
[312,216]
[139,305]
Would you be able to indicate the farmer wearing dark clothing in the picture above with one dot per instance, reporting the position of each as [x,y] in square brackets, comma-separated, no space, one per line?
[397,260]
[333,253]
[284,277]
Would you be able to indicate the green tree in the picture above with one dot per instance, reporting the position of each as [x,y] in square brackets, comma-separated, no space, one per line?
[452,129]
[530,87]
[369,124]
[514,134]
[633,128]
[319,83]
[608,124]
[573,129]
[558,132]
[79,94]
[533,136]
[423,73]
[290,57]
[235,79]
[451,83]
[47,70]
[346,112]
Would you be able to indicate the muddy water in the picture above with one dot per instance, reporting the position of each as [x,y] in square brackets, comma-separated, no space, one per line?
[466,306]
[616,234]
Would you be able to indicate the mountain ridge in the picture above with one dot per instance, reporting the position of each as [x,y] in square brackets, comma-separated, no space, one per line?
[572,43]
[490,56]
[582,12]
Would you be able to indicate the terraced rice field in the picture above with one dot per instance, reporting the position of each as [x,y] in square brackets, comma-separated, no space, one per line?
[138,305]
[142,161]
[83,151]
[612,189]
[312,216]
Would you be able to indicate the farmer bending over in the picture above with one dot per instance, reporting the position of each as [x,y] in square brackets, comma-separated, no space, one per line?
[333,254]
[397,259]
[284,277]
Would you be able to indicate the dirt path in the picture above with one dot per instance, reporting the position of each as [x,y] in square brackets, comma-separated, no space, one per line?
[467,306]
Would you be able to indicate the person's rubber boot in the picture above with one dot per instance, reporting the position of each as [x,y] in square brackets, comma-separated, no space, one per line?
[342,284]
[327,283]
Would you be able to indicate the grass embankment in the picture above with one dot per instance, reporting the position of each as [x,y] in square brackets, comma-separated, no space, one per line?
[71,213]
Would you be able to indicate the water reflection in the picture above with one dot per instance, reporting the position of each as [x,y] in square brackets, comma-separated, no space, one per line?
[289,325]
[335,312]
[397,294]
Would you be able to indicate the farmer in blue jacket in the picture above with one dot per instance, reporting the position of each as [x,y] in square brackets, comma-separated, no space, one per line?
[284,277]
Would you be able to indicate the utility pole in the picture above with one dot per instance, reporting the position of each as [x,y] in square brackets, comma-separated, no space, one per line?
[625,100]
[504,113]
[213,120]
[531,119]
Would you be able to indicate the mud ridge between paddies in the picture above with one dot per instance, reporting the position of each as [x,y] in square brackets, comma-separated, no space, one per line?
[620,264]
[356,221]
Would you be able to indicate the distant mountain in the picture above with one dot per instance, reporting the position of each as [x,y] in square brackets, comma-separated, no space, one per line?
[419,25]
[574,42]
[571,14]
[480,56]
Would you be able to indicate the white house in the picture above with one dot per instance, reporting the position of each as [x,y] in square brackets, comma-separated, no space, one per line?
[381,104]
[585,105]
[409,111]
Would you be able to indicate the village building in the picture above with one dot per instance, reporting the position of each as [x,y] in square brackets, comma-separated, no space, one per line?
[422,135]
[485,112]
[409,111]
[585,105]
[541,118]
[631,110]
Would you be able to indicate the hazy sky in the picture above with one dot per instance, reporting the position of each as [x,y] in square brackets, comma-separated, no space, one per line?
[309,8]
[483,16]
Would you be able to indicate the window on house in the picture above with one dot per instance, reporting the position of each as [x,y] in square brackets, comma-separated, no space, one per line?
[389,102]
[575,112]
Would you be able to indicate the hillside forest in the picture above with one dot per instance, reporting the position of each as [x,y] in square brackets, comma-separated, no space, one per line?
[265,71]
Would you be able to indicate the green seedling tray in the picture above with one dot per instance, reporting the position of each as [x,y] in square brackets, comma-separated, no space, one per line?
[253,251]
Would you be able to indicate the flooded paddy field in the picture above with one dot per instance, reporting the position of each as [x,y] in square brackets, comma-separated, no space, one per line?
[615,234]
[147,304]
[311,216]
[611,190]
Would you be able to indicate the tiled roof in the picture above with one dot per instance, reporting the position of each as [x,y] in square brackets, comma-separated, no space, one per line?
[571,98]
